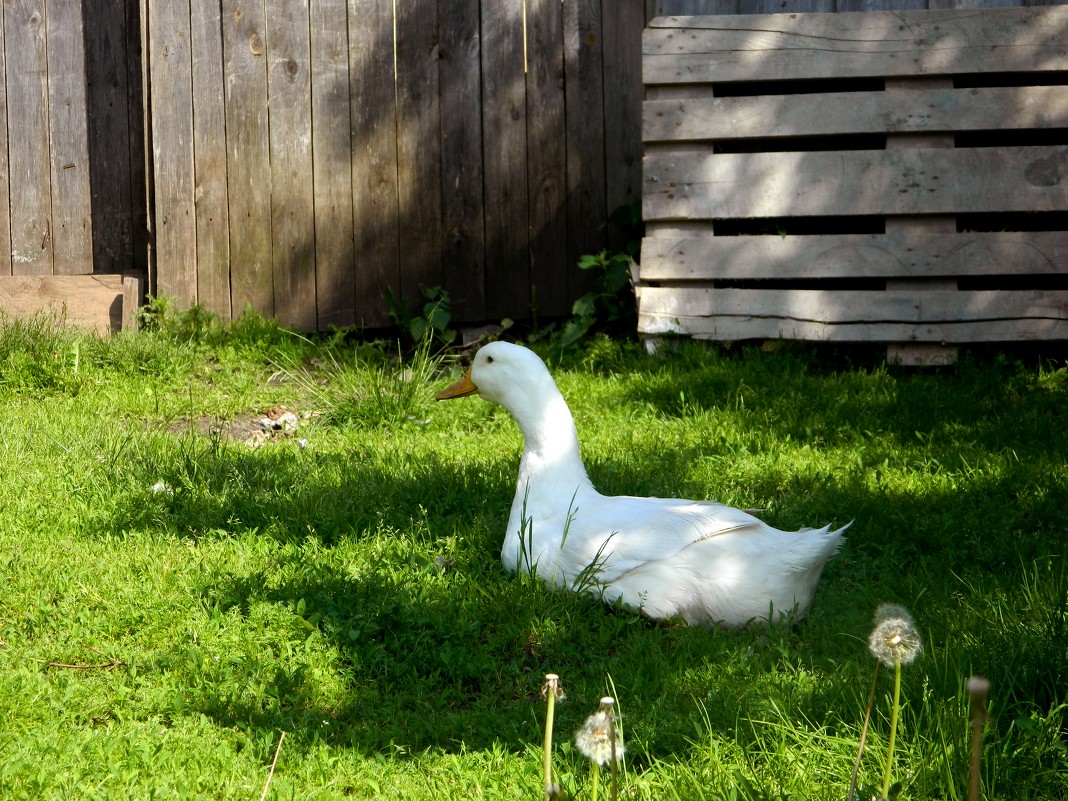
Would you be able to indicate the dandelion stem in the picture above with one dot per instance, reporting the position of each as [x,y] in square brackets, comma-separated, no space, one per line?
[551,683]
[978,687]
[595,780]
[893,731]
[863,735]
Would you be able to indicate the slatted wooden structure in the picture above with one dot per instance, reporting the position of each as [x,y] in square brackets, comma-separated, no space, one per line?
[896,177]
[67,196]
[311,154]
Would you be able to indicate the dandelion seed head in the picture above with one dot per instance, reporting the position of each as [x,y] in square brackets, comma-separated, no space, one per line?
[894,640]
[552,685]
[595,739]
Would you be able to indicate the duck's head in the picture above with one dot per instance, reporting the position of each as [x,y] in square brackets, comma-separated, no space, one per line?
[503,373]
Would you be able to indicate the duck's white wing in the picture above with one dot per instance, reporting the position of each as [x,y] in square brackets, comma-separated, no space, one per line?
[622,533]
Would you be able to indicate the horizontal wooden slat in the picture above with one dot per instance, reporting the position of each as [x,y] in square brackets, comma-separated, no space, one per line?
[93,302]
[699,185]
[855,316]
[706,118]
[970,253]
[806,46]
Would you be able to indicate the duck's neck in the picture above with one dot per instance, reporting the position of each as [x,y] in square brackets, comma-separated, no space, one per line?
[550,441]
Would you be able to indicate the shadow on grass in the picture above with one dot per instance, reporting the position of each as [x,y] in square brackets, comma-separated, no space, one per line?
[452,654]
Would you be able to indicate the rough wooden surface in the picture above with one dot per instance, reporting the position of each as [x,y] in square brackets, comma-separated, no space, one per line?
[93,302]
[172,130]
[684,185]
[970,253]
[28,157]
[209,147]
[874,44]
[907,153]
[248,158]
[854,316]
[292,199]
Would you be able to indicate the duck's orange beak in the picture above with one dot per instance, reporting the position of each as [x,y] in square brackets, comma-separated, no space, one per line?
[460,389]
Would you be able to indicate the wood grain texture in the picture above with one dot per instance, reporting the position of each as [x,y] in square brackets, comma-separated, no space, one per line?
[292,198]
[5,184]
[621,26]
[30,164]
[710,258]
[504,130]
[72,218]
[376,221]
[547,155]
[248,156]
[464,238]
[854,316]
[209,147]
[92,302]
[705,118]
[876,44]
[698,185]
[418,165]
[586,170]
[331,165]
[172,148]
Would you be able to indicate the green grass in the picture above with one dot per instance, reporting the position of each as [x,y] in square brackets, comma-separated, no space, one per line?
[342,583]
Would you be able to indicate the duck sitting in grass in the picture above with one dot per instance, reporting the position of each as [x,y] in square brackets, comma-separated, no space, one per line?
[696,560]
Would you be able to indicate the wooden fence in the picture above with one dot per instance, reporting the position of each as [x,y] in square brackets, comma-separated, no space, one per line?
[890,177]
[311,154]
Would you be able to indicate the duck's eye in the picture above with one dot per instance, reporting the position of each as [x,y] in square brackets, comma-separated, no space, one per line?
[489,360]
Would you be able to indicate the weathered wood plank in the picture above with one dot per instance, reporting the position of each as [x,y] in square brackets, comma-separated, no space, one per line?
[709,118]
[547,157]
[209,147]
[418,166]
[968,253]
[332,169]
[5,185]
[133,296]
[93,302]
[248,156]
[622,26]
[376,223]
[586,175]
[778,47]
[27,102]
[698,185]
[172,146]
[504,127]
[848,316]
[115,148]
[292,200]
[464,238]
[72,218]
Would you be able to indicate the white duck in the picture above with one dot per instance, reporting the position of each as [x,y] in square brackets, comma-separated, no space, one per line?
[698,560]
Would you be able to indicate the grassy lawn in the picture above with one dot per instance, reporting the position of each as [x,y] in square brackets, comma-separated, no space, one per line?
[178,591]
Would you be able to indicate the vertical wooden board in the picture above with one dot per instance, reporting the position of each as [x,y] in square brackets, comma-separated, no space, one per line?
[5,197]
[72,219]
[463,234]
[372,91]
[107,42]
[584,80]
[172,148]
[209,147]
[292,201]
[248,155]
[504,128]
[419,195]
[138,104]
[623,102]
[685,8]
[547,157]
[331,166]
[29,163]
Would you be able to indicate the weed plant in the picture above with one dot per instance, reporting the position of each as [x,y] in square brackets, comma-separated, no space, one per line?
[174,598]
